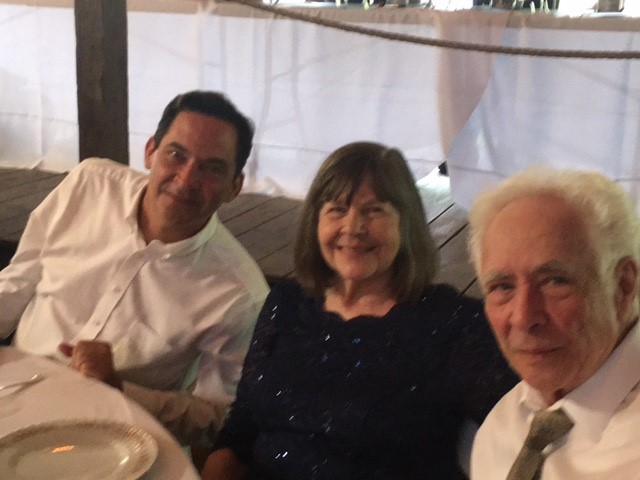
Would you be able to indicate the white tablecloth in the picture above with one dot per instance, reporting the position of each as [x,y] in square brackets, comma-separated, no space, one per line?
[65,394]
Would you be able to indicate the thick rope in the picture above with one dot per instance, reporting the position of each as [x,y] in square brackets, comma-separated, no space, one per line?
[532,52]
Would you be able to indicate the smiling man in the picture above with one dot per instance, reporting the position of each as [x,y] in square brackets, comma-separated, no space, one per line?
[557,255]
[134,278]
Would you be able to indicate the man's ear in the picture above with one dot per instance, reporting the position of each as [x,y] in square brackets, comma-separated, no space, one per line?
[237,186]
[626,278]
[149,148]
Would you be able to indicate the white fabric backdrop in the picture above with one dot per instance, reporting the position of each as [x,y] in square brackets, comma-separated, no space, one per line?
[565,112]
[38,109]
[311,89]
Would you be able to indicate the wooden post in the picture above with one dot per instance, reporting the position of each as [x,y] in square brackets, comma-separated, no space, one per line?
[101,69]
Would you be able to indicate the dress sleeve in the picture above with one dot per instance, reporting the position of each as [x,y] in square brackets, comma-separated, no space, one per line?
[241,427]
[478,373]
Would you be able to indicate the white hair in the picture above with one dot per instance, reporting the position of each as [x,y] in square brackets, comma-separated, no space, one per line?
[606,209]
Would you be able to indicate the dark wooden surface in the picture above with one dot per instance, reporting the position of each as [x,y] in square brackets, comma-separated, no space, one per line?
[101,71]
[20,192]
[265,225]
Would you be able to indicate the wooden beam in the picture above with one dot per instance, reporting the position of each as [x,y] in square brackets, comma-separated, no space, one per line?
[101,69]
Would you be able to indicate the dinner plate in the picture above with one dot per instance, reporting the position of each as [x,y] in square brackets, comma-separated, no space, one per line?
[77,450]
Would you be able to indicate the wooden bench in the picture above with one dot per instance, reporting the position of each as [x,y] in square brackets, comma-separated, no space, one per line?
[265,225]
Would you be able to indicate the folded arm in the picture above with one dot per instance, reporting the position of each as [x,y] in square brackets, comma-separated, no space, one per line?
[188,417]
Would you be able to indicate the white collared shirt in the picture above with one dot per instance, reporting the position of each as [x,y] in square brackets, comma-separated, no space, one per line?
[604,443]
[83,271]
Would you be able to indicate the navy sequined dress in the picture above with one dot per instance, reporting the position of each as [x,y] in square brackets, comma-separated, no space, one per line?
[369,398]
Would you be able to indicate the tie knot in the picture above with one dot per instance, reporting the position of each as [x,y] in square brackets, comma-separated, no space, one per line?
[547,427]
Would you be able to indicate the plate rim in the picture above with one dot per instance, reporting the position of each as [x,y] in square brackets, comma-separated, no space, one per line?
[147,441]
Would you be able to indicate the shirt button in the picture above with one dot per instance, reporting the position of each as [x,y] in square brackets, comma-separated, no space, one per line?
[117,289]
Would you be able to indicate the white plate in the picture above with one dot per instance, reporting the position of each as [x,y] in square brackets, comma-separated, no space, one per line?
[77,450]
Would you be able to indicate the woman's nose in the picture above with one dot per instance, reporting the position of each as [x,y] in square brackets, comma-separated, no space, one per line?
[354,222]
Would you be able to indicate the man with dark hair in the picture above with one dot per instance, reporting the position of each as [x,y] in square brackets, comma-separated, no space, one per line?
[134,278]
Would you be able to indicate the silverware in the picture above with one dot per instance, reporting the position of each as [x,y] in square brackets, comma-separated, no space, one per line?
[35,379]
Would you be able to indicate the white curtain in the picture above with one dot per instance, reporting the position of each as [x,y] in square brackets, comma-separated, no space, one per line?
[310,88]
[570,113]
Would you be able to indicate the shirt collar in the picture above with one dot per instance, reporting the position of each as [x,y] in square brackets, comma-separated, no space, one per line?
[168,250]
[131,215]
[593,403]
[188,245]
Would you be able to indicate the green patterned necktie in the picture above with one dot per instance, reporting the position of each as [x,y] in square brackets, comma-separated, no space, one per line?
[547,427]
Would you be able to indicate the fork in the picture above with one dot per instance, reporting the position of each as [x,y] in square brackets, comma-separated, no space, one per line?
[35,379]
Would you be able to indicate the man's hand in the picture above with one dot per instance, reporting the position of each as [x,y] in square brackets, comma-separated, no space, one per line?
[223,465]
[93,359]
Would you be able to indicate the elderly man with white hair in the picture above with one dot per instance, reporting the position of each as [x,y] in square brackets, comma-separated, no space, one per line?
[557,255]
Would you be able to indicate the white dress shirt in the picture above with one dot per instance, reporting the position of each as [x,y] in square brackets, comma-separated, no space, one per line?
[82,271]
[604,443]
